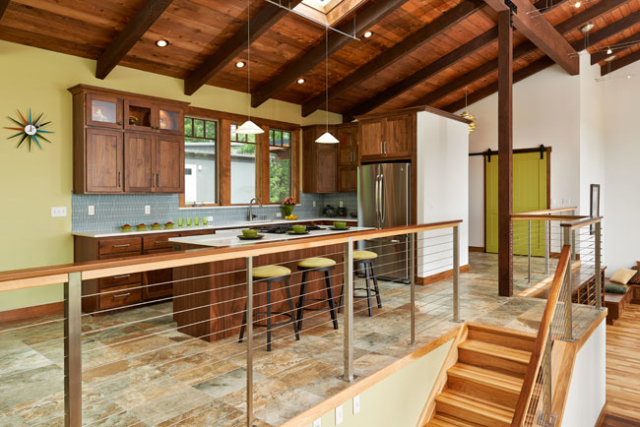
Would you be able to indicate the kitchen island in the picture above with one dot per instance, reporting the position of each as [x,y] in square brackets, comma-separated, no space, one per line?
[209,299]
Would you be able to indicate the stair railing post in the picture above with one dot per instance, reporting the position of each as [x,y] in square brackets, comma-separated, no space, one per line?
[412,275]
[73,350]
[547,245]
[456,273]
[249,327]
[529,252]
[348,374]
[546,383]
[568,309]
[598,243]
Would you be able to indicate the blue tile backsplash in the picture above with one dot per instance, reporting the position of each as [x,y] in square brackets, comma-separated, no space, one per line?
[112,211]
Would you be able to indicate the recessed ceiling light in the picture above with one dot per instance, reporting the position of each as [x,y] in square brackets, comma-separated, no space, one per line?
[162,43]
[241,64]
[609,51]
[587,28]
[611,58]
[368,34]
[629,76]
[577,4]
[301,81]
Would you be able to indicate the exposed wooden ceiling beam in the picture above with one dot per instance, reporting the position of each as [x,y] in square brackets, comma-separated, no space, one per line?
[390,56]
[526,48]
[541,33]
[129,36]
[599,56]
[268,15]
[437,66]
[364,20]
[3,7]
[620,63]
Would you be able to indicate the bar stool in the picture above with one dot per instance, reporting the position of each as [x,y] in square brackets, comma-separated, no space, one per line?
[320,265]
[270,274]
[364,260]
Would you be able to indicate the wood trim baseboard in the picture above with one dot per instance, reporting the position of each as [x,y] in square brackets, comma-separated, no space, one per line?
[440,276]
[603,415]
[30,312]
[477,249]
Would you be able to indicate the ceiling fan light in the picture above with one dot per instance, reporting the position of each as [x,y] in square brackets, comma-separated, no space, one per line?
[327,138]
[249,128]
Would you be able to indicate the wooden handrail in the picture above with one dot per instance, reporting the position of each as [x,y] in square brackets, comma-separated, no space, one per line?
[28,278]
[584,222]
[549,211]
[541,340]
[530,217]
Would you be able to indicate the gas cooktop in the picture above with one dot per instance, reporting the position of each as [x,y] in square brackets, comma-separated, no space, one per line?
[282,229]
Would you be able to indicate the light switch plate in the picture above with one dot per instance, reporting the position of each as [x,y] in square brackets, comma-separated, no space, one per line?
[209,218]
[317,423]
[278,215]
[314,203]
[147,210]
[339,415]
[356,404]
[58,212]
[341,204]
[92,210]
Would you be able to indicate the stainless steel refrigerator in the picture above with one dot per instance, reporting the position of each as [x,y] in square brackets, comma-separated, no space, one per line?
[384,201]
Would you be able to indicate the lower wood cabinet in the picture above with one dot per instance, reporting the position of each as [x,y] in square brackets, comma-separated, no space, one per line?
[123,290]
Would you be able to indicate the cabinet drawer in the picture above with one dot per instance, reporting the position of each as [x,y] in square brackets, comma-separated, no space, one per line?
[158,241]
[196,233]
[121,297]
[120,245]
[121,280]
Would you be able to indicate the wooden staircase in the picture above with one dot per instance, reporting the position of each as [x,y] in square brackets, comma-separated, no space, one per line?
[483,379]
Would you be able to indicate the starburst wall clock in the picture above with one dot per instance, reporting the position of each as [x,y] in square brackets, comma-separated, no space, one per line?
[30,130]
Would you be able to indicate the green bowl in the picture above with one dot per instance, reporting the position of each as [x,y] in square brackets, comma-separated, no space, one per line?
[250,233]
[339,224]
[299,228]
[125,229]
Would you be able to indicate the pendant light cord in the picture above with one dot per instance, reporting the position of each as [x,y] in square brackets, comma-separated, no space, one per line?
[249,58]
[326,74]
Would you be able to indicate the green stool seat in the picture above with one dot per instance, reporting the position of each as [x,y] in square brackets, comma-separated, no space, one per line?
[316,263]
[270,271]
[362,255]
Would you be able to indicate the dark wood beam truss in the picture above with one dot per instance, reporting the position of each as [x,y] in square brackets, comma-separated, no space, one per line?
[3,7]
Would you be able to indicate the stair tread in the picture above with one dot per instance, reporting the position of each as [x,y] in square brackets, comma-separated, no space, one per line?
[487,377]
[443,420]
[515,355]
[486,408]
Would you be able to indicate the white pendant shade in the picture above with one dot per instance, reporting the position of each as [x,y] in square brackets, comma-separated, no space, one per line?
[327,138]
[249,128]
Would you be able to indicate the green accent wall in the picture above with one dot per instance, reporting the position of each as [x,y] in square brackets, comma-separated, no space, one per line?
[31,183]
[529,194]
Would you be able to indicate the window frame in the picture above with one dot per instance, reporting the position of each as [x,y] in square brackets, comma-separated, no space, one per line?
[268,164]
[183,203]
[223,156]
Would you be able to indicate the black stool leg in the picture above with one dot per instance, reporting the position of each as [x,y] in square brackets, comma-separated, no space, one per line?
[303,289]
[375,285]
[244,322]
[293,319]
[268,316]
[368,287]
[332,307]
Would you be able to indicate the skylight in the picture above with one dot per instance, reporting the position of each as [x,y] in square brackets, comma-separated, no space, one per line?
[328,10]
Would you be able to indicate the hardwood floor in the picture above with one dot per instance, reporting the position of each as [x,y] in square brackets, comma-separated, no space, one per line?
[623,370]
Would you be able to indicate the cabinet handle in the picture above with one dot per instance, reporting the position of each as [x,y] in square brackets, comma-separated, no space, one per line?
[119,179]
[159,242]
[122,295]
[119,123]
[122,246]
[158,180]
[381,151]
[385,147]
[124,276]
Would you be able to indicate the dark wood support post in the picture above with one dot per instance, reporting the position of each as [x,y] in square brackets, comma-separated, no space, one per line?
[505,154]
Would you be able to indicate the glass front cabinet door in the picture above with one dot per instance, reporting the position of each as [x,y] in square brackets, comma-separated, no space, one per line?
[170,121]
[104,111]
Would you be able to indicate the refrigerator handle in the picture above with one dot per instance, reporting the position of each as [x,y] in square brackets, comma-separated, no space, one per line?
[383,208]
[377,201]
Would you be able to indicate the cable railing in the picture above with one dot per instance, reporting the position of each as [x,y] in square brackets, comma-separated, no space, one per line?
[183,357]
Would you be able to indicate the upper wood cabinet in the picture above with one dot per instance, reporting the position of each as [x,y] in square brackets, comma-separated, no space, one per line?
[127,143]
[348,158]
[391,137]
[320,162]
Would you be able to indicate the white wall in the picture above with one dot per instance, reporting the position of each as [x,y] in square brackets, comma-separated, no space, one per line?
[622,168]
[588,389]
[443,186]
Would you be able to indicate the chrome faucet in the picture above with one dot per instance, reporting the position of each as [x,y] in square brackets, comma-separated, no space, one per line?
[251,215]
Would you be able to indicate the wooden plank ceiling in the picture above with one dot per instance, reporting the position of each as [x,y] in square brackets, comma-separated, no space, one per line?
[421,51]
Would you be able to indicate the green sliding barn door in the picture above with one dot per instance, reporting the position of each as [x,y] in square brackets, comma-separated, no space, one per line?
[529,194]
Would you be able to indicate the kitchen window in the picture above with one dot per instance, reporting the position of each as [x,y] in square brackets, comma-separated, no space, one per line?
[201,162]
[279,165]
[244,149]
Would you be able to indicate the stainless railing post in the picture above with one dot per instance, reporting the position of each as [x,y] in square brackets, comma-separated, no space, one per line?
[73,350]
[598,266]
[547,245]
[546,383]
[573,245]
[249,328]
[568,310]
[412,275]
[348,311]
[529,253]
[456,273]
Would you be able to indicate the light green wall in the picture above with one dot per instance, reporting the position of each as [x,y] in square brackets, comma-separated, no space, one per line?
[398,400]
[31,183]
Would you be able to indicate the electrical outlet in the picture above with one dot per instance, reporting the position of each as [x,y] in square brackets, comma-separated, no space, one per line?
[210,218]
[278,215]
[59,212]
[356,404]
[92,210]
[317,423]
[339,415]
[341,204]
[147,210]
[314,203]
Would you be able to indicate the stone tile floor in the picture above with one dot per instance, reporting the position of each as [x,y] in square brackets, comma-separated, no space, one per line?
[139,371]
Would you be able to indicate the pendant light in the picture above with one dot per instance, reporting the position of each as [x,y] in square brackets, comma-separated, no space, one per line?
[466,114]
[327,138]
[249,127]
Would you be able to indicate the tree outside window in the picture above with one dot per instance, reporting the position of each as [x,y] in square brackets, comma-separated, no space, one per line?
[279,165]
